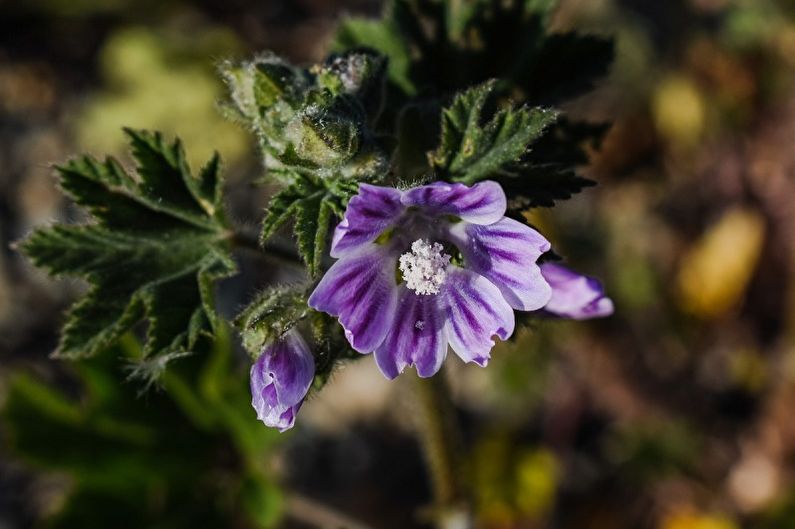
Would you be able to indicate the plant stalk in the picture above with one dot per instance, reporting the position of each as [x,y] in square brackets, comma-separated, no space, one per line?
[272,249]
[440,438]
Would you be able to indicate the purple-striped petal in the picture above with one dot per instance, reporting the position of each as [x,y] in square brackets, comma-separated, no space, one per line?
[417,337]
[280,379]
[476,310]
[369,213]
[483,203]
[574,295]
[292,367]
[506,253]
[361,289]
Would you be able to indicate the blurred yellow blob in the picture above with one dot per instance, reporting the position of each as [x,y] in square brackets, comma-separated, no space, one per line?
[687,520]
[162,81]
[679,112]
[537,475]
[514,484]
[715,273]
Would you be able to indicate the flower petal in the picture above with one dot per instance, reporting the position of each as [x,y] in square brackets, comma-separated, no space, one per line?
[280,379]
[417,337]
[506,253]
[368,214]
[483,203]
[263,394]
[292,367]
[476,311]
[361,289]
[281,418]
[574,295]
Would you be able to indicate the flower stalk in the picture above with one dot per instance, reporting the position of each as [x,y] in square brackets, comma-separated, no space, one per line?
[440,438]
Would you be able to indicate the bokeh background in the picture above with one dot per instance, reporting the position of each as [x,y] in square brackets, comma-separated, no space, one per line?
[676,413]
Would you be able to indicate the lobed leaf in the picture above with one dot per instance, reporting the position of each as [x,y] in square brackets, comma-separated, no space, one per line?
[312,203]
[157,245]
[440,47]
[116,449]
[472,150]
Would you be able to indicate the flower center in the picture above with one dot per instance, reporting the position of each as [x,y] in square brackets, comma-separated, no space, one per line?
[424,267]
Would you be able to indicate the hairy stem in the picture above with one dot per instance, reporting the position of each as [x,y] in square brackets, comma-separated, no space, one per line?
[273,249]
[440,437]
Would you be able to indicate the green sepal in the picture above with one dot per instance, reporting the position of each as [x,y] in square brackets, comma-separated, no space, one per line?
[359,73]
[311,122]
[277,310]
[272,313]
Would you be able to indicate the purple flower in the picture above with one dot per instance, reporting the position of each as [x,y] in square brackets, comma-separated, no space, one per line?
[434,265]
[280,378]
[575,296]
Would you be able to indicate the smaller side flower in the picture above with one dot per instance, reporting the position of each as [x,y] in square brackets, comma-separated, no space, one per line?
[574,295]
[280,379]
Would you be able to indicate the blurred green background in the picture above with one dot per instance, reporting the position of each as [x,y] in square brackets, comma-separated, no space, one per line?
[676,413]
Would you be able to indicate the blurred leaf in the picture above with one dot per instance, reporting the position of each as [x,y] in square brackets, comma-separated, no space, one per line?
[383,36]
[566,66]
[650,449]
[156,247]
[715,273]
[443,47]
[148,462]
[780,515]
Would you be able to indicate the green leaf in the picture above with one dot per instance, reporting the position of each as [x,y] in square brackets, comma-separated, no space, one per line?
[441,47]
[156,247]
[472,150]
[541,185]
[566,66]
[311,203]
[119,451]
[548,172]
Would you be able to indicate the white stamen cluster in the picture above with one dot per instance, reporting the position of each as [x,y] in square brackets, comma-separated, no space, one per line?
[424,267]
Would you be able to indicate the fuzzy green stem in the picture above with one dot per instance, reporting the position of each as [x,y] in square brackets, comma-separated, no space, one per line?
[440,438]
[271,249]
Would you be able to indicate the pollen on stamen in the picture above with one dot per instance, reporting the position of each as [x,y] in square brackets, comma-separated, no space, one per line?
[424,268]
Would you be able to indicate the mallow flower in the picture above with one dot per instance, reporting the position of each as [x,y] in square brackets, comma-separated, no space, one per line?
[434,265]
[574,295]
[280,379]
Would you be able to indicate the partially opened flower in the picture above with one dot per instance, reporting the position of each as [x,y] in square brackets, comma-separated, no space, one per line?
[574,295]
[280,378]
[434,265]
